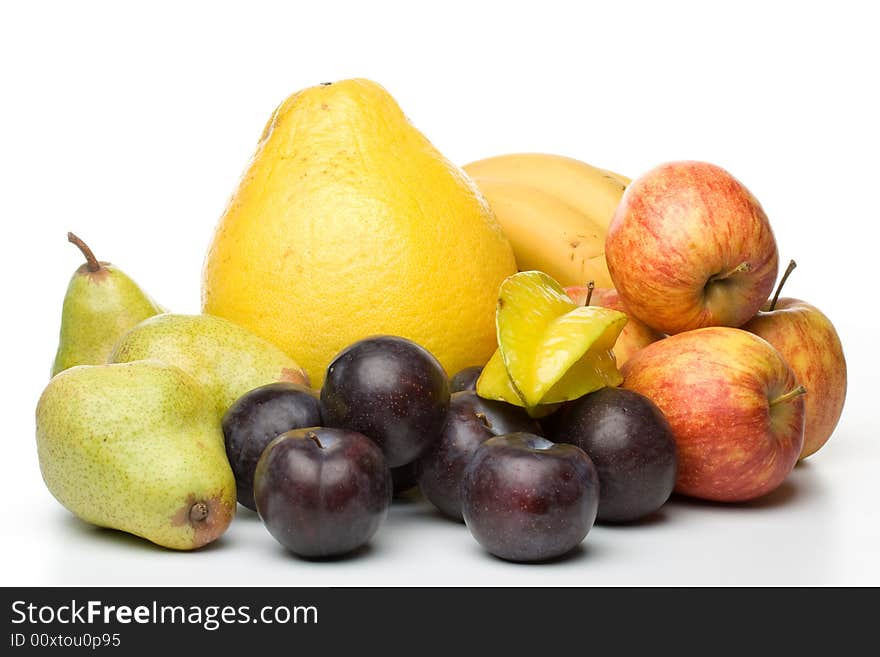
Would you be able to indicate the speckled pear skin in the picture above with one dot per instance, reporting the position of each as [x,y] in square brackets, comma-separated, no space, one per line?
[226,359]
[137,447]
[99,307]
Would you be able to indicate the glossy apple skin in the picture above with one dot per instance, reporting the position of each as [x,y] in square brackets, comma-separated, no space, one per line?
[258,417]
[631,444]
[322,500]
[808,342]
[680,227]
[525,498]
[470,422]
[635,334]
[391,390]
[714,385]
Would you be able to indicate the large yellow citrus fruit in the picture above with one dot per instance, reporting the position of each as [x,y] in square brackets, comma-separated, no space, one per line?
[349,223]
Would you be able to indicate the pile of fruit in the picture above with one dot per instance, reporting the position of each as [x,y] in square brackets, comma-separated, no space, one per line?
[610,342]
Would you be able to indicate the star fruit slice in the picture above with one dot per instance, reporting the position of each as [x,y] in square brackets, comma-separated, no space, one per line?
[554,350]
[494,383]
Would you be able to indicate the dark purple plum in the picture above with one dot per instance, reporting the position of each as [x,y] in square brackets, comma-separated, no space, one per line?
[631,445]
[322,492]
[470,421]
[255,419]
[525,498]
[389,389]
[403,478]
[548,422]
[465,379]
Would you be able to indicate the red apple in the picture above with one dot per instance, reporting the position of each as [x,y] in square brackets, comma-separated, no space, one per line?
[734,405]
[635,335]
[690,247]
[809,344]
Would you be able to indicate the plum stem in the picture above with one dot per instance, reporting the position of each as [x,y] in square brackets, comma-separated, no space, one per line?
[591,285]
[791,394]
[91,260]
[485,420]
[739,269]
[198,512]
[791,265]
[311,435]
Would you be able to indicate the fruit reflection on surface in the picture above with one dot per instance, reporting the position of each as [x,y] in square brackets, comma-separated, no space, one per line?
[256,419]
[322,492]
[630,443]
[469,423]
[525,498]
[390,389]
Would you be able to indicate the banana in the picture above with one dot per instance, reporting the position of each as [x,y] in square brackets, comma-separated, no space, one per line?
[619,177]
[555,211]
[548,234]
[590,190]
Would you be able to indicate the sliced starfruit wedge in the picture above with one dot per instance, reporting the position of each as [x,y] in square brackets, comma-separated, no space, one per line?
[593,371]
[494,383]
[554,350]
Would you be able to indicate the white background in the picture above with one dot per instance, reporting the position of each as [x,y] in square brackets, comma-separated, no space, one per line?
[131,127]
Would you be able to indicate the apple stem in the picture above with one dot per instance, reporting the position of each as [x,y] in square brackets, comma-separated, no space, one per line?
[590,287]
[91,260]
[486,421]
[739,269]
[311,435]
[791,394]
[198,512]
[791,265]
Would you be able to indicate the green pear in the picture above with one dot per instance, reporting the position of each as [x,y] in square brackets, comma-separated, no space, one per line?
[100,305]
[137,447]
[225,358]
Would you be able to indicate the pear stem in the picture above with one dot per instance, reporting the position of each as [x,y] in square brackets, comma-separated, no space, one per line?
[198,512]
[739,269]
[91,260]
[791,394]
[791,265]
[486,421]
[311,435]
[591,285]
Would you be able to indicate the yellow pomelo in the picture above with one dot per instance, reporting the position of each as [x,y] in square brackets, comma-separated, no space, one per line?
[349,223]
